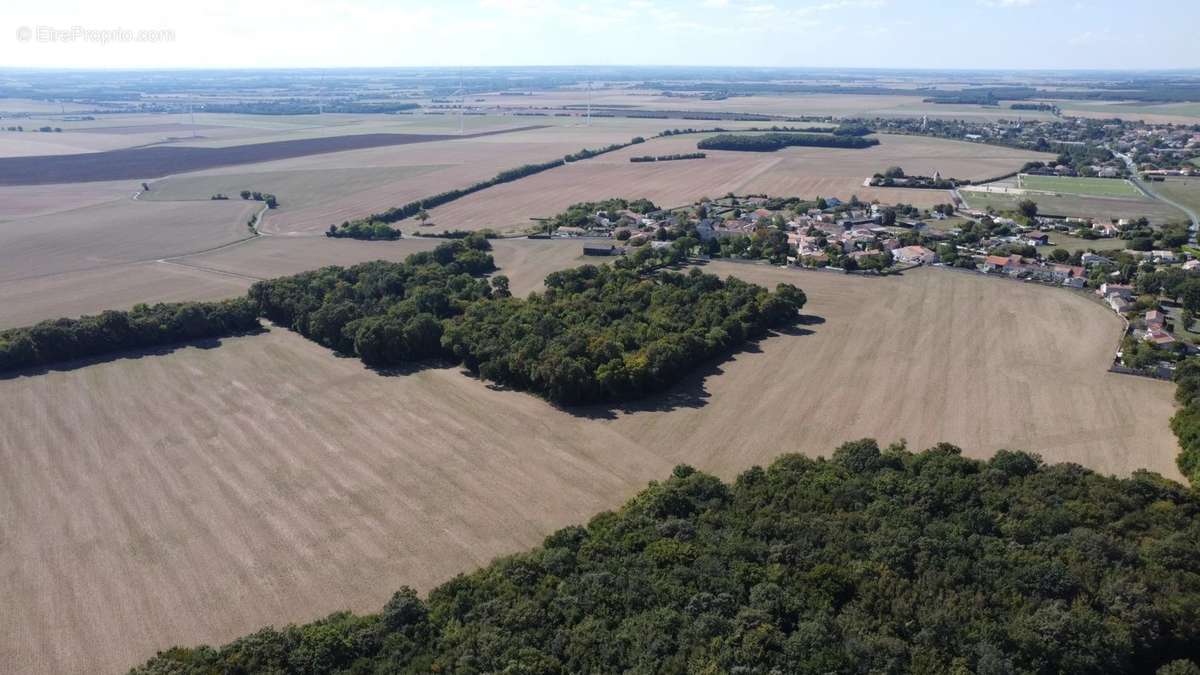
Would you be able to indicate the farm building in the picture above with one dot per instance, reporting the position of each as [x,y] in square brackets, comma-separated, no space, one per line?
[601,249]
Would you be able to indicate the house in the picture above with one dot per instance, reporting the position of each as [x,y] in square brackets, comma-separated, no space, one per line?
[1158,338]
[570,231]
[1163,256]
[1006,264]
[705,230]
[1074,282]
[1191,265]
[1063,272]
[1037,238]
[914,254]
[1119,304]
[1108,290]
[1089,259]
[1106,229]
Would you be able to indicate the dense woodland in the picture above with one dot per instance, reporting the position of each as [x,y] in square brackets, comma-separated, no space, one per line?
[385,313]
[771,142]
[51,342]
[1186,421]
[879,561]
[610,334]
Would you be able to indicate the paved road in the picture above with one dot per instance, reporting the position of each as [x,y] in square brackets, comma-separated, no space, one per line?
[1135,178]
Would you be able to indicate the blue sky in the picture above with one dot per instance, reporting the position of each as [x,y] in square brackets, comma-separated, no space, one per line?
[1037,34]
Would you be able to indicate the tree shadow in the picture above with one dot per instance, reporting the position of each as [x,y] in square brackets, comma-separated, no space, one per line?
[122,355]
[690,391]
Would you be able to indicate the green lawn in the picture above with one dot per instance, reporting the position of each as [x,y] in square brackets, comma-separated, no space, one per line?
[1060,240]
[1091,187]
[1102,209]
[1186,191]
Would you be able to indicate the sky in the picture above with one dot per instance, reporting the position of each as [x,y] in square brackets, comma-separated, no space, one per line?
[990,34]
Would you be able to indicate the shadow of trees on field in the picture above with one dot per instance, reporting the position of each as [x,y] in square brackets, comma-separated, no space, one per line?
[133,354]
[688,392]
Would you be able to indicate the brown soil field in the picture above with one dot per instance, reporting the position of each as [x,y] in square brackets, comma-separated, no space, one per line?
[316,191]
[154,162]
[26,201]
[71,294]
[803,172]
[196,495]
[114,233]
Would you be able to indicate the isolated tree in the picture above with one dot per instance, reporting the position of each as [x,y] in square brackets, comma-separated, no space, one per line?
[245,193]
[889,217]
[1028,208]
[1060,255]
[500,286]
[893,172]
[423,216]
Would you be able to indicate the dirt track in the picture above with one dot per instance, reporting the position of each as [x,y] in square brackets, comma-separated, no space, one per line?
[197,495]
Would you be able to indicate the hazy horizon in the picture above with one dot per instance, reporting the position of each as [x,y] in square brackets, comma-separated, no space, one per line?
[994,35]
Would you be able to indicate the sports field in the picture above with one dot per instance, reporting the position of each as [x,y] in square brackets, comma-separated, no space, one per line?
[196,495]
[1088,187]
[1101,209]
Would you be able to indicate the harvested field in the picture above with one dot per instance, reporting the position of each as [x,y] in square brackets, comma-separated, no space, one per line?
[154,162]
[804,172]
[303,188]
[114,233]
[228,272]
[26,201]
[197,495]
[414,171]
[28,301]
[837,105]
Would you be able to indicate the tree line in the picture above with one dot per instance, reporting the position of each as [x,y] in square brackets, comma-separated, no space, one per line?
[875,560]
[412,208]
[1186,421]
[771,142]
[668,158]
[60,340]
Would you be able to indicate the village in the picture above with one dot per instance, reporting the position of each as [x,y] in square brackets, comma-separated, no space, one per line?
[1151,278]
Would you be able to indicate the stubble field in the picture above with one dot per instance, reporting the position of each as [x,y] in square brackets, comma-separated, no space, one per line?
[196,495]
